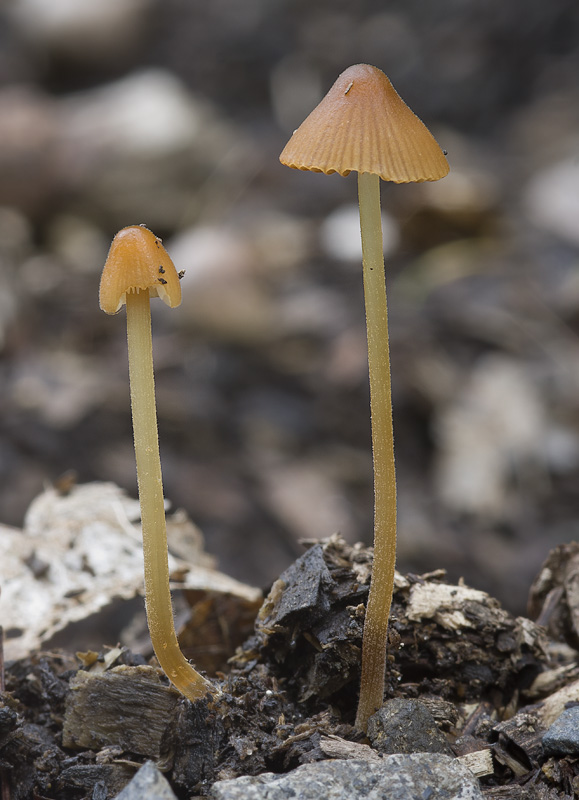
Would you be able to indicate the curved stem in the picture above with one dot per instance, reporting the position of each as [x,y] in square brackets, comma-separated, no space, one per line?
[157,592]
[382,584]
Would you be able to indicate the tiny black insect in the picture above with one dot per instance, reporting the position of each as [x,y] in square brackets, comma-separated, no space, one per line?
[181,273]
[162,280]
[161,270]
[445,152]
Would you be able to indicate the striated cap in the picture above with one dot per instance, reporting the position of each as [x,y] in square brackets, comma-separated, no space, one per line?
[137,261]
[363,125]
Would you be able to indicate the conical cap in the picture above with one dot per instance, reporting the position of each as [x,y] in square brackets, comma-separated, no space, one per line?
[363,125]
[137,261]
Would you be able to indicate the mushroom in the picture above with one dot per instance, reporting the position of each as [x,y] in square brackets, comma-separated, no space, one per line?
[137,268]
[363,125]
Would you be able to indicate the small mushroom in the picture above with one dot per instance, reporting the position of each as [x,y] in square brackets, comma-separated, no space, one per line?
[363,125]
[137,268]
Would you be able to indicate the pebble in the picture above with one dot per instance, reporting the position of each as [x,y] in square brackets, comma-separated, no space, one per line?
[306,498]
[82,29]
[562,738]
[148,784]
[148,113]
[145,136]
[482,439]
[397,777]
[552,199]
[222,295]
[340,234]
[406,726]
[29,130]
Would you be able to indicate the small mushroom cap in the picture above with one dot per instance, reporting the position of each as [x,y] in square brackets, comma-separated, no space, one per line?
[363,125]
[137,261]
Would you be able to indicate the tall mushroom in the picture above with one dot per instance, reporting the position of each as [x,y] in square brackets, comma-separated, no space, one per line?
[362,125]
[137,268]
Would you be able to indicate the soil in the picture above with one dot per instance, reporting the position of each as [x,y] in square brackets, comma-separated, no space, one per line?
[77,727]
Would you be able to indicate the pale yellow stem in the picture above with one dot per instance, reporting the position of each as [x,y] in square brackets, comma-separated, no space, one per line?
[157,592]
[382,584]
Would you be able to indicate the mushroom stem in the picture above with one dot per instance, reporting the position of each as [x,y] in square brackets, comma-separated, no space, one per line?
[157,591]
[382,583]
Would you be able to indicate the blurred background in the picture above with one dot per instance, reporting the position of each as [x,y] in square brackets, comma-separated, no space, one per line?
[172,113]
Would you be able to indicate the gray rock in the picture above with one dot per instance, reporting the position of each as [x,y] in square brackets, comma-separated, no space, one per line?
[562,738]
[86,31]
[148,784]
[406,726]
[397,777]
[148,117]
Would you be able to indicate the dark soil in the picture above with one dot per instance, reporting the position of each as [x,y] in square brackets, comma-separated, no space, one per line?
[77,732]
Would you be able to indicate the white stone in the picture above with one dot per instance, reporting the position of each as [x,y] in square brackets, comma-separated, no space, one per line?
[85,27]
[340,234]
[552,199]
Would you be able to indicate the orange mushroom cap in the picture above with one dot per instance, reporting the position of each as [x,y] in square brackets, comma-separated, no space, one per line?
[137,261]
[363,125]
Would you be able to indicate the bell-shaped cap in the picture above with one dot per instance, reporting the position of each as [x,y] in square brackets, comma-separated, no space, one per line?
[363,125]
[137,261]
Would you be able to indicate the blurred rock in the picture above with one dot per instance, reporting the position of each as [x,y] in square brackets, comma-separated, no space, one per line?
[29,133]
[15,243]
[295,90]
[15,234]
[283,243]
[221,294]
[464,190]
[240,286]
[544,129]
[141,148]
[552,199]
[147,113]
[492,429]
[561,451]
[138,149]
[59,388]
[346,362]
[307,501]
[340,234]
[78,243]
[81,28]
[308,308]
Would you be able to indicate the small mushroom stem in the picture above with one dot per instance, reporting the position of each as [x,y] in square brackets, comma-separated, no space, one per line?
[382,583]
[157,591]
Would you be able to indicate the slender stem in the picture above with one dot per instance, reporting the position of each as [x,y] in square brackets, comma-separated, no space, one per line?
[382,585]
[157,592]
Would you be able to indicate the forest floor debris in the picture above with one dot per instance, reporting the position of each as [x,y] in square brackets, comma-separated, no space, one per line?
[492,684]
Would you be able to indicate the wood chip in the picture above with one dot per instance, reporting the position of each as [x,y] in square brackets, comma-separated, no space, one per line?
[135,711]
[335,747]
[480,762]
